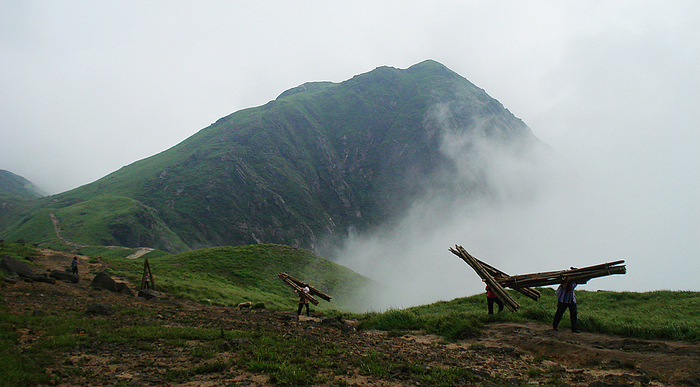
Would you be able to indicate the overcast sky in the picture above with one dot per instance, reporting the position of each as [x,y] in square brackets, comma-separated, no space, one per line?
[87,87]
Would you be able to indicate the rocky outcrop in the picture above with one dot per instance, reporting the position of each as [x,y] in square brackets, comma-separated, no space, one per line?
[123,288]
[102,280]
[24,271]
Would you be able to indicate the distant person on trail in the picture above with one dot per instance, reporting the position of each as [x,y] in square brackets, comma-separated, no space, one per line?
[303,301]
[567,299]
[491,297]
[74,266]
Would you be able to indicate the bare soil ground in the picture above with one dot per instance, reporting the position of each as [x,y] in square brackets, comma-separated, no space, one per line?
[505,354]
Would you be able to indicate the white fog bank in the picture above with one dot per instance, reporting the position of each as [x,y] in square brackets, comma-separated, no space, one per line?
[551,214]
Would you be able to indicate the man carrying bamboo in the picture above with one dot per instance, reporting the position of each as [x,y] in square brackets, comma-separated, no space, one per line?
[567,299]
[303,300]
[492,298]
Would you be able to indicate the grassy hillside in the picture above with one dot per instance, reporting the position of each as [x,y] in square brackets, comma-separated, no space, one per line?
[35,227]
[229,275]
[101,221]
[18,197]
[17,185]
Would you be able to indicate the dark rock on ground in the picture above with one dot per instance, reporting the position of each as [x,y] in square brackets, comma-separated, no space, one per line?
[12,265]
[123,288]
[23,270]
[102,280]
[63,276]
[44,278]
[149,294]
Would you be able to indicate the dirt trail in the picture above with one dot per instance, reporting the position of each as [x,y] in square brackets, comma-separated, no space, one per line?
[667,359]
[57,228]
[509,353]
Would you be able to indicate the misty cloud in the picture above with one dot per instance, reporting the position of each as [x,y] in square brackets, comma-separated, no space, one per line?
[543,212]
[496,188]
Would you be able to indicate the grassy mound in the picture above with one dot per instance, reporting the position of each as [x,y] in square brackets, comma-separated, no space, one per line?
[227,276]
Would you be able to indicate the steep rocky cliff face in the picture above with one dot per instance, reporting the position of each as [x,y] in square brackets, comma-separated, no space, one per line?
[320,159]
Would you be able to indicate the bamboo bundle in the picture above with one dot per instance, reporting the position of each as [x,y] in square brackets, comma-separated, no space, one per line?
[496,287]
[522,283]
[299,290]
[557,277]
[298,285]
[312,290]
[532,293]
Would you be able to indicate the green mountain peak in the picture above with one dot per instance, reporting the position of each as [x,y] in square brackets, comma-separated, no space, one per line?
[321,159]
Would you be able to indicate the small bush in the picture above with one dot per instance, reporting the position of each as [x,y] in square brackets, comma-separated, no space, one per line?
[392,320]
[446,377]
[538,312]
[454,326]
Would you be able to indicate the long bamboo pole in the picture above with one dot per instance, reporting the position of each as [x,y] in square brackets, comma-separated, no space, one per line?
[523,283]
[557,277]
[301,291]
[528,292]
[500,292]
